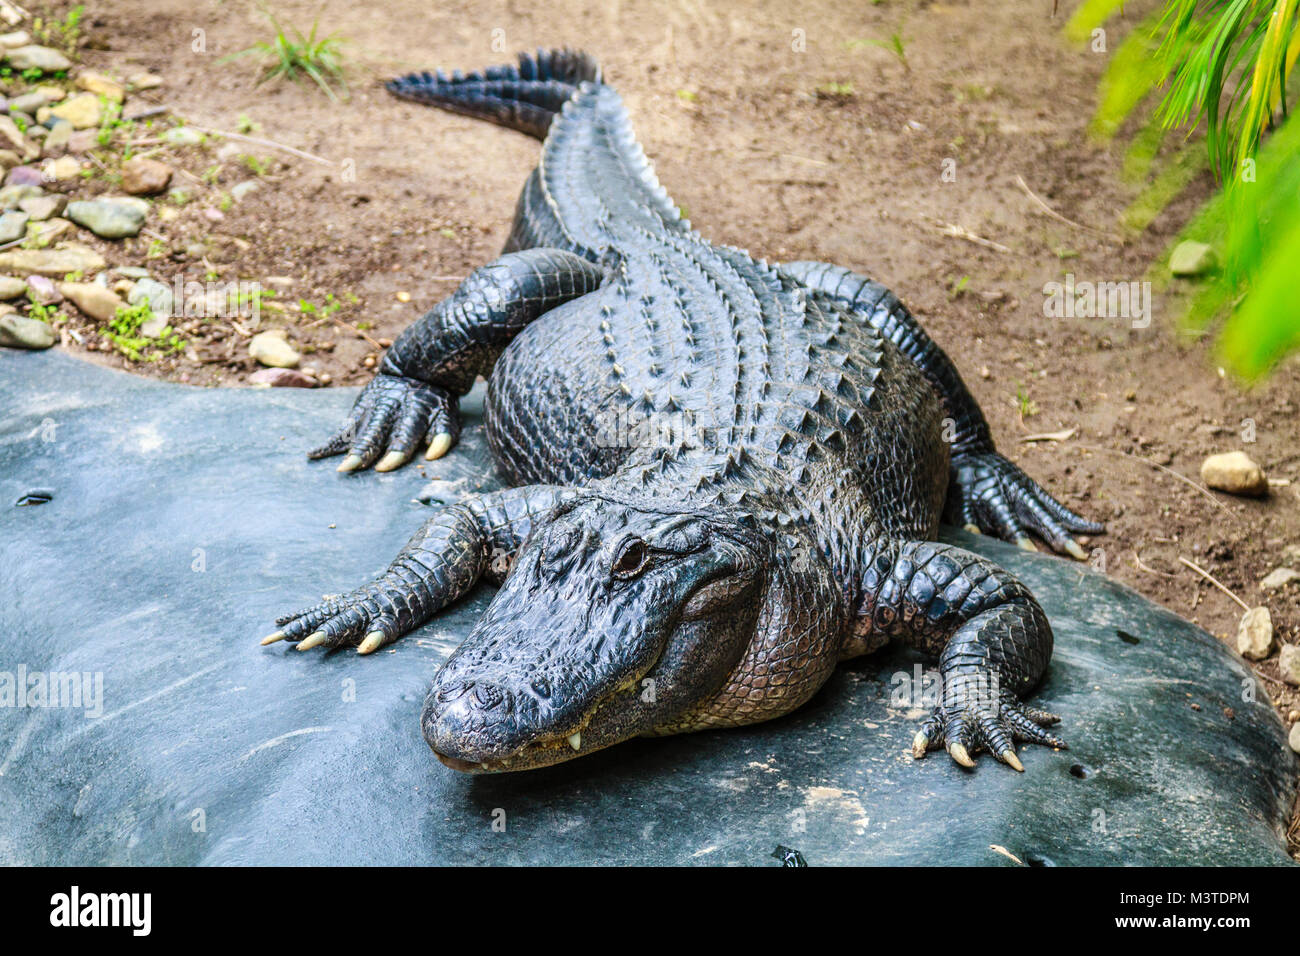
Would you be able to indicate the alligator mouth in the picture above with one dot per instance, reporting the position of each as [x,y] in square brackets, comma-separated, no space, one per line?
[552,749]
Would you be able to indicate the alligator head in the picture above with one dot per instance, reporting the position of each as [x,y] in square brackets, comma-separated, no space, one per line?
[617,620]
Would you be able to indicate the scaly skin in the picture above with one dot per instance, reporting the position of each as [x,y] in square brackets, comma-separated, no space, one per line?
[728,474]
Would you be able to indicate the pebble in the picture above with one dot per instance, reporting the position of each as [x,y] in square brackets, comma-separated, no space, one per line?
[11,196]
[182,136]
[8,158]
[34,57]
[20,332]
[16,39]
[240,191]
[132,272]
[40,208]
[73,257]
[1294,739]
[62,169]
[1191,258]
[51,92]
[1279,578]
[107,218]
[272,348]
[158,294]
[1255,634]
[24,176]
[281,378]
[13,226]
[46,232]
[11,287]
[145,177]
[28,102]
[14,136]
[83,140]
[145,81]
[100,85]
[92,299]
[1235,473]
[154,327]
[1288,663]
[44,289]
[60,136]
[83,110]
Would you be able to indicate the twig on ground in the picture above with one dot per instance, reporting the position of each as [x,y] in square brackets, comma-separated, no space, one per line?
[961,232]
[264,142]
[1215,581]
[1052,212]
[1143,566]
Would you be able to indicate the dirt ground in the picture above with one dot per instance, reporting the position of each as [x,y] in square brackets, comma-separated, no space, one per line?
[835,151]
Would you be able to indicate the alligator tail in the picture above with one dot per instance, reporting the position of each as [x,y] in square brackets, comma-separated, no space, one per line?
[524,97]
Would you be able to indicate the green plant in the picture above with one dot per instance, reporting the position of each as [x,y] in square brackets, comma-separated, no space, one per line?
[254,165]
[319,59]
[64,33]
[1227,66]
[124,331]
[39,311]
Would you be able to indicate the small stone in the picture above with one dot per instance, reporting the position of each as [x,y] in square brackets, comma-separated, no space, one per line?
[12,287]
[182,136]
[92,299]
[11,134]
[145,177]
[1235,473]
[11,196]
[35,57]
[132,272]
[83,140]
[20,332]
[1255,634]
[9,159]
[324,378]
[272,348]
[13,226]
[1288,663]
[72,257]
[45,233]
[44,290]
[28,102]
[240,191]
[1192,259]
[1279,578]
[40,208]
[1293,739]
[82,111]
[63,169]
[144,81]
[154,327]
[11,41]
[281,378]
[107,218]
[60,136]
[51,92]
[100,85]
[157,294]
[403,297]
[24,176]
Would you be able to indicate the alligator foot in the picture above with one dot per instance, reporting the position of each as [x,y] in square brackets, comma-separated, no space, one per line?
[392,415]
[971,724]
[358,616]
[989,493]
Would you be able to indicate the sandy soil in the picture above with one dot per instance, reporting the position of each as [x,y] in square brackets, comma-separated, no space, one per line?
[751,138]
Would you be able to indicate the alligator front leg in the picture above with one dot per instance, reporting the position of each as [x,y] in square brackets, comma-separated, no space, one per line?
[414,397]
[448,555]
[992,640]
[986,491]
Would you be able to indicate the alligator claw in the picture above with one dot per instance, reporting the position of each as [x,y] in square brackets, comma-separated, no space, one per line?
[971,724]
[272,638]
[993,495]
[315,639]
[390,418]
[373,642]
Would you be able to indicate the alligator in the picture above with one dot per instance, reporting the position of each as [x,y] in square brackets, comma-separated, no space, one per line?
[724,475]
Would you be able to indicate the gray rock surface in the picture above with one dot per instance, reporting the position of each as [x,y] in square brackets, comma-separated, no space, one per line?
[183,520]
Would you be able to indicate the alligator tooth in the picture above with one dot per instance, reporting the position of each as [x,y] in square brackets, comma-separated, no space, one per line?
[576,741]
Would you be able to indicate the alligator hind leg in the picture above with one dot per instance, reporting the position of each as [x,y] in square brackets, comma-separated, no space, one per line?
[986,492]
[459,545]
[991,638]
[414,396]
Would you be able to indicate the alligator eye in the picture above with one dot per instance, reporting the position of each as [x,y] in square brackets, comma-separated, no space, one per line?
[631,558]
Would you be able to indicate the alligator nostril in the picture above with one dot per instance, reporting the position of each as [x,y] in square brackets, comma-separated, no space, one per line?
[488,696]
[452,691]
